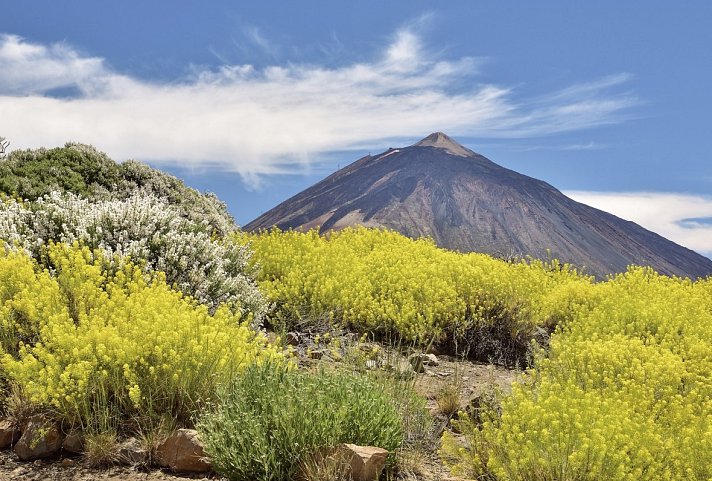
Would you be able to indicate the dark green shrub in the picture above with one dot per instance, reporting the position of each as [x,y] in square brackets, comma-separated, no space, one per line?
[270,418]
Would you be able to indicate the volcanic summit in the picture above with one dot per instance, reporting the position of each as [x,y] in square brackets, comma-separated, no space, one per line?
[463,201]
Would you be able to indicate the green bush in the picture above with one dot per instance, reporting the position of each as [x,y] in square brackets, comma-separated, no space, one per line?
[270,418]
[88,173]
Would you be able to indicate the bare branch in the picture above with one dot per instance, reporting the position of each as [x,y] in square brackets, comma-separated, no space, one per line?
[3,146]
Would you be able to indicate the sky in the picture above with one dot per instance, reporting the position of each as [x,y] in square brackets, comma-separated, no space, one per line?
[607,101]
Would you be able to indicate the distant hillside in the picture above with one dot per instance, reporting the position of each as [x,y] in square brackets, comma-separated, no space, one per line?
[85,171]
[437,188]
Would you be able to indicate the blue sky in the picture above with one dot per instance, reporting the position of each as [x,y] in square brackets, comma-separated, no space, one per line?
[608,101]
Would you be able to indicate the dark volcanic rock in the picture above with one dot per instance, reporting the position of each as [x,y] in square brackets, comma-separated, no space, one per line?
[40,439]
[439,189]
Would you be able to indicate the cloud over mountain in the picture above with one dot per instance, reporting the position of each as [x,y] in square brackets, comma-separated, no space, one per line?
[261,121]
[683,218]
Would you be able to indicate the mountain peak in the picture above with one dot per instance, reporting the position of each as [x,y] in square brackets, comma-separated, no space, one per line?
[469,203]
[440,140]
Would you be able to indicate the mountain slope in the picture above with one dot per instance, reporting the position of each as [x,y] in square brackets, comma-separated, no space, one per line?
[464,201]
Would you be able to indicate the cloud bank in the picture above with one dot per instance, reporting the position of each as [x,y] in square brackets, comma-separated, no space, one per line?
[684,219]
[276,119]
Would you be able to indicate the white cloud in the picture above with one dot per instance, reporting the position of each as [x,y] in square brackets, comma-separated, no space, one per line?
[32,69]
[591,145]
[265,121]
[674,216]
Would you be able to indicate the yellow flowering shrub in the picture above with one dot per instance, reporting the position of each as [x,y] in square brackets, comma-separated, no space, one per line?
[624,393]
[382,282]
[88,339]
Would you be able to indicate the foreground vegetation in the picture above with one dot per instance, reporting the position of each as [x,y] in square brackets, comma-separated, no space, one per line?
[126,309]
[110,348]
[269,421]
[380,282]
[623,392]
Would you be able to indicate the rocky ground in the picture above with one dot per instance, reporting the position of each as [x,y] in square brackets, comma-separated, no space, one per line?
[72,469]
[436,375]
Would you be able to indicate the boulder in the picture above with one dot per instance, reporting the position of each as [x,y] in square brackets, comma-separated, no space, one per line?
[41,439]
[74,442]
[9,433]
[367,462]
[183,452]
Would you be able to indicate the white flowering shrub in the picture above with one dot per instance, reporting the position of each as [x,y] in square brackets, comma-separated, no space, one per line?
[204,208]
[144,228]
[83,170]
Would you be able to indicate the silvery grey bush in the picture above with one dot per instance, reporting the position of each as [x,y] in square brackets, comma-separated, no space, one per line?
[210,268]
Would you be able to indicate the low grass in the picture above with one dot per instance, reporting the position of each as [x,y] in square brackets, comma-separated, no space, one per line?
[271,418]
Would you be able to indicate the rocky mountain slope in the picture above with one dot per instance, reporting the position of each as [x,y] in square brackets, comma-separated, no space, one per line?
[464,201]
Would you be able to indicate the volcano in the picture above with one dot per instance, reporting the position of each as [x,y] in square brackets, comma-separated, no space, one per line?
[439,189]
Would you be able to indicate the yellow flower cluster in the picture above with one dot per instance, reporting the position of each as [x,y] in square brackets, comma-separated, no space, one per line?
[625,392]
[88,333]
[376,280]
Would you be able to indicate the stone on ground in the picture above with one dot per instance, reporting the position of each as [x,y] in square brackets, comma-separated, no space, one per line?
[9,433]
[41,439]
[132,452]
[183,452]
[367,462]
[74,442]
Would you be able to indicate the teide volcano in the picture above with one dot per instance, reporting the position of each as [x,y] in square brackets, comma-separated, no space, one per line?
[464,201]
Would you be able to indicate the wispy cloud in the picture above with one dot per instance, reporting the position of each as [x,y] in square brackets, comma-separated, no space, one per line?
[591,145]
[261,121]
[682,218]
[31,69]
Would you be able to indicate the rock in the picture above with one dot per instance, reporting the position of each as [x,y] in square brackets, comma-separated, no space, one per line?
[41,439]
[9,434]
[18,471]
[427,359]
[416,362]
[315,354]
[132,452]
[183,452]
[292,338]
[366,462]
[402,368]
[68,463]
[419,360]
[430,359]
[74,442]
